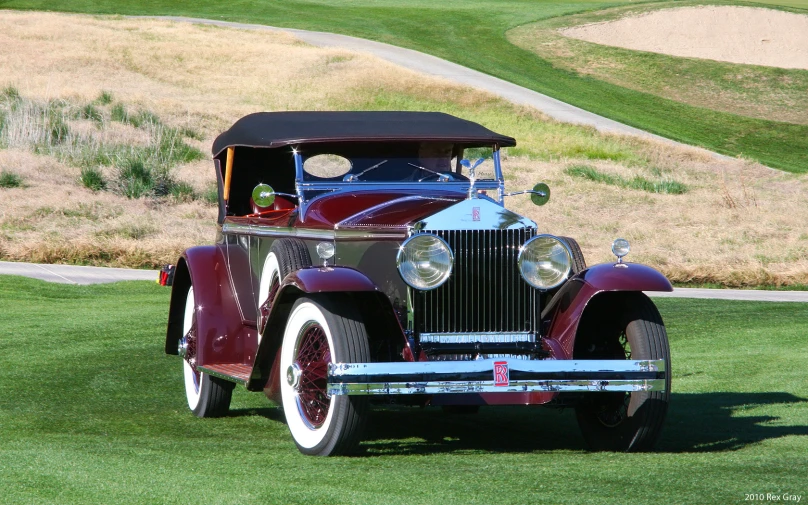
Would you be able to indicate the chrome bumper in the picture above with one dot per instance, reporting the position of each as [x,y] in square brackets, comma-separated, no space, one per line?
[495,376]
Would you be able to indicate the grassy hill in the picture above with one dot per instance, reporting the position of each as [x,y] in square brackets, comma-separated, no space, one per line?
[473,33]
[103,149]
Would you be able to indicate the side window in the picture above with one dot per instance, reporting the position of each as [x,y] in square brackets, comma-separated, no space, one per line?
[327,166]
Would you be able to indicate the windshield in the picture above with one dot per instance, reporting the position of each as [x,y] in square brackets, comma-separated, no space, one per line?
[421,162]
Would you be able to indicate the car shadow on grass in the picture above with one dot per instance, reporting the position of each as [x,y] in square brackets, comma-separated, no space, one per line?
[697,422]
[271,413]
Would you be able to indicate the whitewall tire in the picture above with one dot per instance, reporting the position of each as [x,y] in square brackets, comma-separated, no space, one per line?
[270,282]
[207,396]
[320,331]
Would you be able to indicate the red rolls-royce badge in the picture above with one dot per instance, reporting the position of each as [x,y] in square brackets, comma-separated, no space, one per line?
[501,375]
[475,213]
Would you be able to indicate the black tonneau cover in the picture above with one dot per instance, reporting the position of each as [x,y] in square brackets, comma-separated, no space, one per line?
[276,129]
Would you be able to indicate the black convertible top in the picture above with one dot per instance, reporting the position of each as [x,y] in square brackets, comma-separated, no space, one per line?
[276,129]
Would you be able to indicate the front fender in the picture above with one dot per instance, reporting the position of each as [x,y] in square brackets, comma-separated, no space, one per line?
[221,336]
[328,280]
[625,277]
[376,309]
[567,307]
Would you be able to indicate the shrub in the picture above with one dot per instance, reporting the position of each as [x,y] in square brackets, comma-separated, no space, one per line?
[11,94]
[105,98]
[10,180]
[183,192]
[135,179]
[90,112]
[637,182]
[191,133]
[211,194]
[92,178]
[118,113]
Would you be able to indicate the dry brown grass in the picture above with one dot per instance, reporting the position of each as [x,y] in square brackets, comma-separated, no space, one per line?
[739,223]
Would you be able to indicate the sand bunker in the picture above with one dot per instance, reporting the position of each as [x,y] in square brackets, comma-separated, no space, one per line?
[748,35]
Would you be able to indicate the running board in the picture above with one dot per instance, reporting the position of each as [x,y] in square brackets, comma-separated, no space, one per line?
[496,376]
[233,372]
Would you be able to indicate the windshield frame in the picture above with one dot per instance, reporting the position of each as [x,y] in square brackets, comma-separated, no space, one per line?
[303,186]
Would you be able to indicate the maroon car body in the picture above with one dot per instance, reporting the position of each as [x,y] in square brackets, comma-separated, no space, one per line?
[361,258]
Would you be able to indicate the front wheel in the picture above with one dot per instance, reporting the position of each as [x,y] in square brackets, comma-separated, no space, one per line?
[320,331]
[623,421]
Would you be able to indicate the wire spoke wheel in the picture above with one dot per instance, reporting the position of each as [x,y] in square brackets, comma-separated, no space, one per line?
[322,330]
[313,357]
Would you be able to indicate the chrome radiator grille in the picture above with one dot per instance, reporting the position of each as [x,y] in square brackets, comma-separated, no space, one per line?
[485,292]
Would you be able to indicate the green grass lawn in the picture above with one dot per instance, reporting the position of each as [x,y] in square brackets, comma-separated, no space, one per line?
[92,411]
[473,33]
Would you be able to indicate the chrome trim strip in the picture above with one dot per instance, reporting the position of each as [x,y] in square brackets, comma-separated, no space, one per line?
[280,231]
[483,337]
[433,377]
[500,178]
[460,186]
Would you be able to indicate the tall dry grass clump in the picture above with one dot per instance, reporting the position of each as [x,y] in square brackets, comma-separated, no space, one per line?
[141,159]
[122,98]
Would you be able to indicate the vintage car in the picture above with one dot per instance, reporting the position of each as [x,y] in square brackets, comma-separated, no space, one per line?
[362,259]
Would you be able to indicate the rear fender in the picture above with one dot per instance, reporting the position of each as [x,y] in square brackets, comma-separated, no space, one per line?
[377,312]
[566,309]
[221,336]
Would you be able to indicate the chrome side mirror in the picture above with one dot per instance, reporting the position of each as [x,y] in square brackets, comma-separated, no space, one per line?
[539,195]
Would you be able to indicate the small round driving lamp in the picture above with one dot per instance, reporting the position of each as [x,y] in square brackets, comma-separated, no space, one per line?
[544,262]
[325,250]
[620,247]
[425,261]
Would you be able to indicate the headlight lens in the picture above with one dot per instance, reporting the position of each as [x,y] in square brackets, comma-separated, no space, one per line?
[425,261]
[544,262]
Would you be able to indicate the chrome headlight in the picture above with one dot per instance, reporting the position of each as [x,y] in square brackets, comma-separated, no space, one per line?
[425,261]
[544,261]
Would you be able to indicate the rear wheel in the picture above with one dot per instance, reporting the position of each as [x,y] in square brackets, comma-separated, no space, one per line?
[321,331]
[207,396]
[285,256]
[624,421]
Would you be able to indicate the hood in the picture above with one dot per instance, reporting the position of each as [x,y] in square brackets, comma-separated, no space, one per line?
[402,210]
[379,209]
[475,214]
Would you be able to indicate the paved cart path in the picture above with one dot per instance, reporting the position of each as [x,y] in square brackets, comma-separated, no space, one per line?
[432,65]
[71,274]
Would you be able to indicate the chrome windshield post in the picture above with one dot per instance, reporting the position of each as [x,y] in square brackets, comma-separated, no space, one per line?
[298,182]
[498,175]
